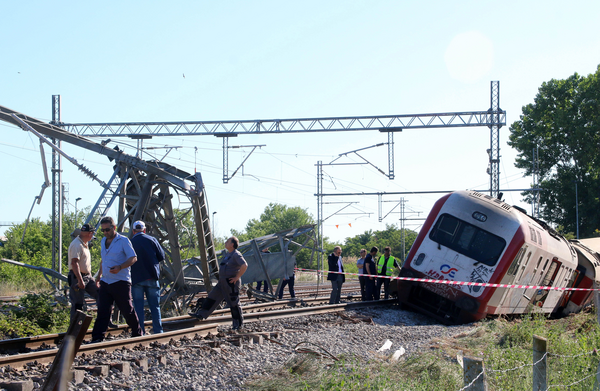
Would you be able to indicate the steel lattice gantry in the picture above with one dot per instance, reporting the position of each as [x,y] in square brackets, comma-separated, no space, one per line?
[299,125]
[494,118]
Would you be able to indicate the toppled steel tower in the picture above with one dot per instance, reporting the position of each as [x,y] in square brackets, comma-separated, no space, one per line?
[144,191]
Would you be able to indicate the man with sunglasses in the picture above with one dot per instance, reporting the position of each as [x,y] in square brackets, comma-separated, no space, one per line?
[114,280]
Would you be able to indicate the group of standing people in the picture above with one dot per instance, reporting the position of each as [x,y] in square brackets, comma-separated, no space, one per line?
[128,270]
[374,273]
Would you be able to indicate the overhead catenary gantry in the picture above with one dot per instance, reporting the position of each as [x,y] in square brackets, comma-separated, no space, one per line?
[493,118]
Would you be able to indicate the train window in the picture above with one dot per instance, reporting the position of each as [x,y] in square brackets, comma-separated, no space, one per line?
[574,277]
[532,233]
[512,270]
[524,266]
[467,239]
[550,276]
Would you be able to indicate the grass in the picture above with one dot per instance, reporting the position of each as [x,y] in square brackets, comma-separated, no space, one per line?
[10,288]
[504,345]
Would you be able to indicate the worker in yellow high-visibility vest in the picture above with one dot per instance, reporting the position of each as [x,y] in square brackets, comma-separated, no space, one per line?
[385,267]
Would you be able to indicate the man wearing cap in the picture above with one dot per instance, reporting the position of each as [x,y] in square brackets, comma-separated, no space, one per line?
[114,280]
[145,274]
[80,266]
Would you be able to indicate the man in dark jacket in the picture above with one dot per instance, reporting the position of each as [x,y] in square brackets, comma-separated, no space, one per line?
[337,278]
[145,274]
[370,270]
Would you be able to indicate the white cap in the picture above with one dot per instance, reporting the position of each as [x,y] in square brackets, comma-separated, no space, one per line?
[139,225]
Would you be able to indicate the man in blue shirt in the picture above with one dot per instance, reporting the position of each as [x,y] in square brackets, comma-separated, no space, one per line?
[114,279]
[145,274]
[232,267]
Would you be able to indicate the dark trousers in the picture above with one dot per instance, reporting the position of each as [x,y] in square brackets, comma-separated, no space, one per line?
[361,279]
[290,283]
[386,288]
[120,293]
[260,283]
[77,295]
[224,290]
[369,289]
[336,289]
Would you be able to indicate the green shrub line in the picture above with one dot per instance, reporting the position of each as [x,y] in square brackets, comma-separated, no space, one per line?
[35,314]
[504,345]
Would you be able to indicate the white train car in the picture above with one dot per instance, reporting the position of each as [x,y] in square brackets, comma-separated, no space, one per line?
[469,236]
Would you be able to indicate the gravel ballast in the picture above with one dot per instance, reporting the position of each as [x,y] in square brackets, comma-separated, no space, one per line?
[217,363]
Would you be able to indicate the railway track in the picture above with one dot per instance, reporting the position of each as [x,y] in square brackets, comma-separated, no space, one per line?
[175,328]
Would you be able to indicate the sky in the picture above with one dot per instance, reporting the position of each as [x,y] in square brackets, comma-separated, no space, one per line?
[247,60]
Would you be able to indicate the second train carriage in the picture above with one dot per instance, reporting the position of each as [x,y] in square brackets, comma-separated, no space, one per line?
[469,236]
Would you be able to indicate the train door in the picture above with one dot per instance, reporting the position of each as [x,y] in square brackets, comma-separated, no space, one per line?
[509,278]
[517,295]
[541,295]
[573,281]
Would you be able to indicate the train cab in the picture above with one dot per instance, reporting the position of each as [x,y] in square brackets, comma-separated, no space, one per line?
[472,237]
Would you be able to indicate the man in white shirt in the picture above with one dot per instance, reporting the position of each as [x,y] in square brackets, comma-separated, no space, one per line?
[80,267]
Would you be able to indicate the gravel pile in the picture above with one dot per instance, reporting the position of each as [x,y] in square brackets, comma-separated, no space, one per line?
[216,363]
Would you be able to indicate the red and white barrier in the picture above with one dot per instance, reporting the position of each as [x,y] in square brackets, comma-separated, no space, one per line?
[460,283]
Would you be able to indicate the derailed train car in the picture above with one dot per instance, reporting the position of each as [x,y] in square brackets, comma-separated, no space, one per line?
[472,237]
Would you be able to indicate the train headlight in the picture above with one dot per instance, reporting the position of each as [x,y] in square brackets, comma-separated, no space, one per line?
[479,216]
[420,259]
[468,304]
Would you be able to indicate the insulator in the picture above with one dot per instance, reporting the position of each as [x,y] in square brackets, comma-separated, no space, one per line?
[88,172]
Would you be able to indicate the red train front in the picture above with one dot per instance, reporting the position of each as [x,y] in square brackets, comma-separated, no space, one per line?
[469,236]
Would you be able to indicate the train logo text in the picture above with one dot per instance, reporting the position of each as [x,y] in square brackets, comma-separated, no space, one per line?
[449,270]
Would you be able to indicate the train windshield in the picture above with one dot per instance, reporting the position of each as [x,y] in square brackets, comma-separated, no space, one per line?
[467,239]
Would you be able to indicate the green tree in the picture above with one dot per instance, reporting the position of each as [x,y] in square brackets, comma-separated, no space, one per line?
[276,218]
[391,236]
[36,250]
[563,125]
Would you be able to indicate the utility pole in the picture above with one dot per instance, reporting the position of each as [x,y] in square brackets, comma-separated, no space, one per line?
[494,151]
[57,194]
[320,215]
[535,174]
[402,227]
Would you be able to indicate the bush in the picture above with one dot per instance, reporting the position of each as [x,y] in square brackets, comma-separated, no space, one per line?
[35,314]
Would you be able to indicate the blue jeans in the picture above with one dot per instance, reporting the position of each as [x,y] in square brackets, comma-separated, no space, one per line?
[152,290]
